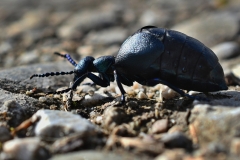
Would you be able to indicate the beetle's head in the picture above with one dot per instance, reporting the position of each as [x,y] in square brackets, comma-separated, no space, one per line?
[216,79]
[85,65]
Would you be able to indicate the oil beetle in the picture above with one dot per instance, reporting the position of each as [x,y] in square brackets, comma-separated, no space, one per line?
[151,56]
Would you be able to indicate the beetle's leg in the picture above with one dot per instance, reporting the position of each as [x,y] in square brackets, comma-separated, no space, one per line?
[68,57]
[93,83]
[120,87]
[97,80]
[74,86]
[51,74]
[152,82]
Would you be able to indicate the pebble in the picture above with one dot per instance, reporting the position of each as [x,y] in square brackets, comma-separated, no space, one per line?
[16,112]
[96,99]
[25,149]
[113,116]
[206,27]
[236,72]
[235,146]
[54,123]
[207,121]
[94,155]
[160,126]
[142,95]
[74,28]
[168,93]
[173,154]
[5,133]
[107,37]
[5,47]
[176,140]
[226,50]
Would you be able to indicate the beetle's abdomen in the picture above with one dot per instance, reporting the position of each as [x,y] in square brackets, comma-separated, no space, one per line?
[187,63]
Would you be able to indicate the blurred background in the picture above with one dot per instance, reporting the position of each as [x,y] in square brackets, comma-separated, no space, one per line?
[30,31]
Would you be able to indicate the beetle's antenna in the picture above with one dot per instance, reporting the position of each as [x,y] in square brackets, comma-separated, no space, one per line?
[52,74]
[68,57]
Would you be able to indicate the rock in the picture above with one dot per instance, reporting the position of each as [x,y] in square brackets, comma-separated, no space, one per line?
[5,47]
[18,78]
[174,154]
[142,95]
[160,126]
[107,36]
[113,116]
[226,50]
[56,124]
[78,141]
[98,155]
[96,99]
[5,134]
[25,149]
[235,146]
[236,73]
[16,107]
[176,140]
[28,57]
[93,19]
[207,121]
[210,29]
[14,111]
[146,144]
[151,17]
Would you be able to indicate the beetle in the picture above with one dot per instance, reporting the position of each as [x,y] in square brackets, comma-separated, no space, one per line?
[151,56]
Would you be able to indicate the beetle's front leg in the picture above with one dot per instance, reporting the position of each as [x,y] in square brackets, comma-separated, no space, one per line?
[97,80]
[120,87]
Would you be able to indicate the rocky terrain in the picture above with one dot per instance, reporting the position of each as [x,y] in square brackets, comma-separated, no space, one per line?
[154,123]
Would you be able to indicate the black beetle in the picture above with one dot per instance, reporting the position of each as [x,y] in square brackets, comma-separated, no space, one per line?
[151,56]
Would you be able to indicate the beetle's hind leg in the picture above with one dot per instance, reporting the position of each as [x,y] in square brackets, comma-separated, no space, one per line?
[156,81]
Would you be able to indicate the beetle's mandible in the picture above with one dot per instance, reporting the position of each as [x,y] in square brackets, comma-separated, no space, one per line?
[151,56]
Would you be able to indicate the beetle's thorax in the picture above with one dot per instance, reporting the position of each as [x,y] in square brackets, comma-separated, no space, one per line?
[104,64]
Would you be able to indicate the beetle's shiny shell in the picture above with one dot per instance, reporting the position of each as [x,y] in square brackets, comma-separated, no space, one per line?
[170,56]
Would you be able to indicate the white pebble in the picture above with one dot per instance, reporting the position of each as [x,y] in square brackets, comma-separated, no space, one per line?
[142,95]
[42,99]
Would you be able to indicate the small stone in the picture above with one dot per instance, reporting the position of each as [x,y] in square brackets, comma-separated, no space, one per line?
[107,37]
[99,119]
[235,146]
[16,112]
[5,134]
[54,123]
[160,126]
[97,98]
[113,115]
[226,50]
[176,140]
[173,154]
[236,72]
[142,95]
[206,27]
[94,155]
[175,128]
[26,149]
[167,93]
[132,104]
[206,121]
[42,99]
[28,57]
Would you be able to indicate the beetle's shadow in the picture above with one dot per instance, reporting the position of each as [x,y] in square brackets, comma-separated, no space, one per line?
[221,99]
